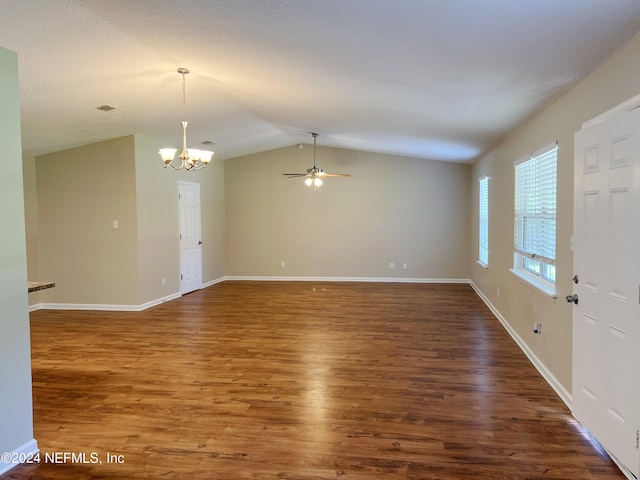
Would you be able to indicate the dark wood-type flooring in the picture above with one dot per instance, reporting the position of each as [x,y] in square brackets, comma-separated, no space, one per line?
[299,380]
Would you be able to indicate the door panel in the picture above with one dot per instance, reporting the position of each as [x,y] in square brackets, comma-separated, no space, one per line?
[606,321]
[190,237]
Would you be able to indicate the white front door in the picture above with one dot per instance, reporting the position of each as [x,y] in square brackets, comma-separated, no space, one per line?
[606,319]
[190,237]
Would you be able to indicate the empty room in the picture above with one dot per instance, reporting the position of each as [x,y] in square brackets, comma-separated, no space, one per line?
[335,240]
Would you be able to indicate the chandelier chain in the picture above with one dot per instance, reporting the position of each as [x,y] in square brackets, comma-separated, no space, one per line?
[184,97]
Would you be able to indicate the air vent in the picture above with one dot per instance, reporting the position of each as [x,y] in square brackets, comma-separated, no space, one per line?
[207,142]
[107,108]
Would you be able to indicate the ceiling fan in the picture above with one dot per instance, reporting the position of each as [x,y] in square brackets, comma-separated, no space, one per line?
[315,175]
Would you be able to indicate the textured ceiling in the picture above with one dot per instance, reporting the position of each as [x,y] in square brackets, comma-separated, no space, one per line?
[438,79]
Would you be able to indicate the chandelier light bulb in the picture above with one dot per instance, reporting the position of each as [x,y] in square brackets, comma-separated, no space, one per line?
[167,154]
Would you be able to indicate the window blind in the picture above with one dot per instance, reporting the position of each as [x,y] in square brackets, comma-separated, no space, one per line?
[483,223]
[535,207]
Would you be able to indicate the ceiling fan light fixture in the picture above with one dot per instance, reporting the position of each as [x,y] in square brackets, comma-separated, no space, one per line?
[314,174]
[190,158]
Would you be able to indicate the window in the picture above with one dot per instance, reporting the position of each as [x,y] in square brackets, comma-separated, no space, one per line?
[483,222]
[535,219]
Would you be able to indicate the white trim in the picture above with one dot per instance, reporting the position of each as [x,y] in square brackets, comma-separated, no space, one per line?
[545,149]
[562,392]
[107,307]
[213,282]
[627,106]
[30,448]
[537,153]
[113,307]
[535,256]
[486,267]
[347,279]
[538,284]
[623,468]
[157,301]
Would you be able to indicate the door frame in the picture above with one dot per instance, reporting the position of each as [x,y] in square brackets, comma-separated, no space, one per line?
[627,106]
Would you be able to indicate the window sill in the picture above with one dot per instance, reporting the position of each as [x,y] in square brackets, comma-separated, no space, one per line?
[542,287]
[486,267]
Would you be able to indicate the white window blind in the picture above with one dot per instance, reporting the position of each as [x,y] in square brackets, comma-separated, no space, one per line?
[535,207]
[483,222]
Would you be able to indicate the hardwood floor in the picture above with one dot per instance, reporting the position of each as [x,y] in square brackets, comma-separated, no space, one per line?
[292,381]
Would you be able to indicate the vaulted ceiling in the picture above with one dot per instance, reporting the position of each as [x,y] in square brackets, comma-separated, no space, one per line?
[436,79]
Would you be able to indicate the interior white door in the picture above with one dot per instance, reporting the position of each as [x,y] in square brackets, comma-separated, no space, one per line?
[190,237]
[606,319]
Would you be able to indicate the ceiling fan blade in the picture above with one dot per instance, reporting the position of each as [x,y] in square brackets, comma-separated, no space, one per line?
[336,174]
[295,175]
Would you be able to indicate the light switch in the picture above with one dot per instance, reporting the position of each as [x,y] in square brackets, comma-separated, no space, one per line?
[115,224]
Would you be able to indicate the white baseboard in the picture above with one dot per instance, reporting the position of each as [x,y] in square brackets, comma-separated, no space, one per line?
[24,452]
[346,279]
[108,307]
[562,392]
[104,307]
[623,468]
[213,282]
[115,307]
[157,301]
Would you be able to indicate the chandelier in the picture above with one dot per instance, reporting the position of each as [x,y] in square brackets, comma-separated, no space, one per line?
[190,158]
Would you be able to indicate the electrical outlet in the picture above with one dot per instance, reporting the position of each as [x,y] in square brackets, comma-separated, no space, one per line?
[405,266]
[392,265]
[282,264]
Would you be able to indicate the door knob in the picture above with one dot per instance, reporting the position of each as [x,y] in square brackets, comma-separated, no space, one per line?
[572,298]
[199,242]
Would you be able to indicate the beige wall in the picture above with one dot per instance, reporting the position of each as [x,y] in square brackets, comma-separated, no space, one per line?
[615,82]
[214,222]
[157,208]
[392,209]
[80,192]
[16,423]
[31,222]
